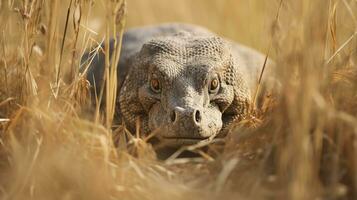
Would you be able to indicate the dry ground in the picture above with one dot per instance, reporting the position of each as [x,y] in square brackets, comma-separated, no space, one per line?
[300,144]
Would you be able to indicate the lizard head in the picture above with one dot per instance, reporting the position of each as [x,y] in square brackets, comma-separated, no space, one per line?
[186,88]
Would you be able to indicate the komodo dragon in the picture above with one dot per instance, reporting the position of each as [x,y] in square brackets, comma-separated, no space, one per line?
[183,81]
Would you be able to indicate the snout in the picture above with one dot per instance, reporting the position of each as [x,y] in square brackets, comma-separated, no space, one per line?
[191,124]
[179,114]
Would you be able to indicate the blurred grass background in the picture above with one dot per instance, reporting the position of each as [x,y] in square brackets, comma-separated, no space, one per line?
[302,145]
[243,21]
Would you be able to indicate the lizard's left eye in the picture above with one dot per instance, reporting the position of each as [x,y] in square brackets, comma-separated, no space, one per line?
[155,85]
[214,85]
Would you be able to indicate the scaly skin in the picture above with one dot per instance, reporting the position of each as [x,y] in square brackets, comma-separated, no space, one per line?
[182,81]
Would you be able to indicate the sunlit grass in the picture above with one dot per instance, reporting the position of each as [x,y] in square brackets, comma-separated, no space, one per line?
[300,143]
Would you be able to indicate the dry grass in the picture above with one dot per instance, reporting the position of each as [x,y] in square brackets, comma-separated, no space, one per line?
[300,144]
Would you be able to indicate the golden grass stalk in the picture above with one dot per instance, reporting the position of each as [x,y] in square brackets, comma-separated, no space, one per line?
[115,25]
[62,47]
[303,146]
[256,92]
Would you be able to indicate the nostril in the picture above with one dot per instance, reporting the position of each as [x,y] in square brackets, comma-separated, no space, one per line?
[198,117]
[173,116]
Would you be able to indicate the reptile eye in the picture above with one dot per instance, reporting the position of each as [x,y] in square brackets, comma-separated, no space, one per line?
[155,85]
[214,85]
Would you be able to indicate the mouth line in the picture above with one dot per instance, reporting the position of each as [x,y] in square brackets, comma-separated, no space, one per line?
[185,138]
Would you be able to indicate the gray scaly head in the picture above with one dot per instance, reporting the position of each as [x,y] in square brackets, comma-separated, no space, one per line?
[185,87]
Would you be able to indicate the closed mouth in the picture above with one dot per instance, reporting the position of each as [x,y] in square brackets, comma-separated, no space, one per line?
[178,141]
[185,138]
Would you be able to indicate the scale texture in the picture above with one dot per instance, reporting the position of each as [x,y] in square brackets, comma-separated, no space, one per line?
[180,81]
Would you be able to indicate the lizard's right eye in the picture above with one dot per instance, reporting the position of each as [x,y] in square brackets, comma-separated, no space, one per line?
[214,85]
[155,85]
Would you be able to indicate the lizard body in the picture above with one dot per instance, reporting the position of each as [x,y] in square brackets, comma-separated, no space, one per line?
[183,81]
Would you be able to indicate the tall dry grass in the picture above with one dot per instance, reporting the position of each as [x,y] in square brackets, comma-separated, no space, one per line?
[300,144]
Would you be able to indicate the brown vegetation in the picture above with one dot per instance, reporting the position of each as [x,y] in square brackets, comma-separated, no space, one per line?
[301,144]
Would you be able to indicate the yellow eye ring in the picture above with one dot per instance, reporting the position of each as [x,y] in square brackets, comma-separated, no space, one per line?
[155,85]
